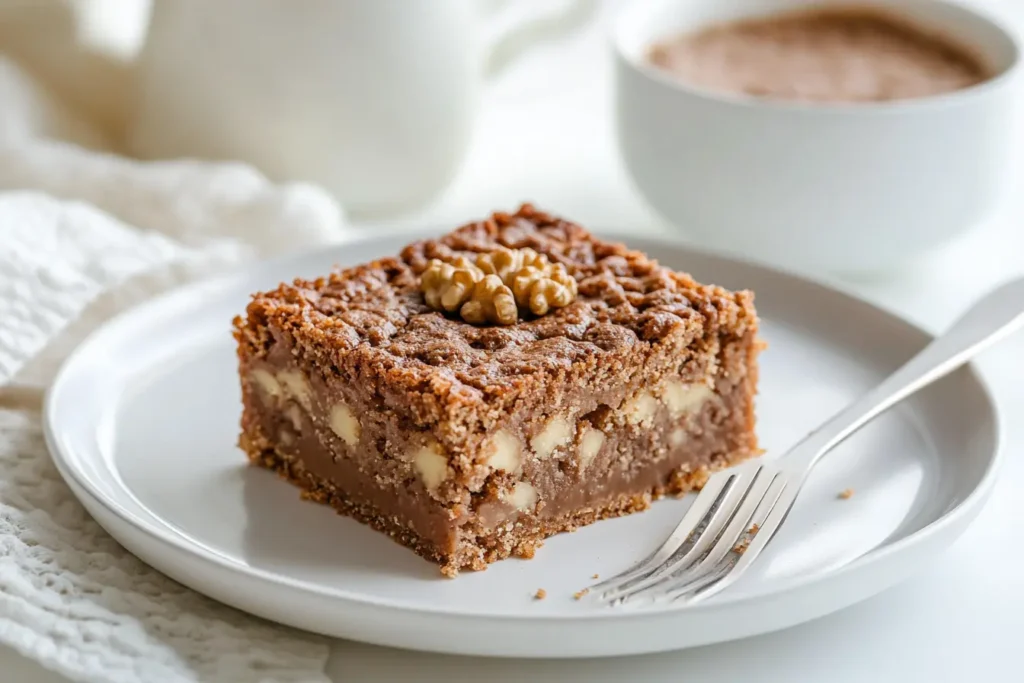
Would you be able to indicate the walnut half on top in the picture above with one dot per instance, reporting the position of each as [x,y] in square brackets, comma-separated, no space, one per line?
[497,286]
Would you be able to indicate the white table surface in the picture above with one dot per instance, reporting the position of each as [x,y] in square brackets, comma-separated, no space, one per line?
[551,142]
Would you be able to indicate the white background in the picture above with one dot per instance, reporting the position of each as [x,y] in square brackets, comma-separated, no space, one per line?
[545,135]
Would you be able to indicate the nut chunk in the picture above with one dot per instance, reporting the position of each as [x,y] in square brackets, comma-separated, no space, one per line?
[505,263]
[448,286]
[500,286]
[490,302]
[566,380]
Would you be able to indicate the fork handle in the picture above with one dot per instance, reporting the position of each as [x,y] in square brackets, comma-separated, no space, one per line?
[994,317]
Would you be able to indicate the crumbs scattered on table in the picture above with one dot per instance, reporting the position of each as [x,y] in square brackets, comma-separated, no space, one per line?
[579,594]
[595,576]
[846,494]
[540,594]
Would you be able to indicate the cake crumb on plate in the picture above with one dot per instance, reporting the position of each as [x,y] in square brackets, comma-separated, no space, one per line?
[540,594]
[579,594]
[846,494]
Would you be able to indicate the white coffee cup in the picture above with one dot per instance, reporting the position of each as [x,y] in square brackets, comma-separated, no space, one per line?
[841,187]
[373,99]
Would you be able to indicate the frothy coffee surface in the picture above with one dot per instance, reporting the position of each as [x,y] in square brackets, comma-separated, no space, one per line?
[833,55]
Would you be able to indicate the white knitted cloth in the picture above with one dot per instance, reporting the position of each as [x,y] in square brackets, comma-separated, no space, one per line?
[82,235]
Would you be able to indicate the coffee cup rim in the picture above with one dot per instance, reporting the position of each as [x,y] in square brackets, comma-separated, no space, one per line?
[617,39]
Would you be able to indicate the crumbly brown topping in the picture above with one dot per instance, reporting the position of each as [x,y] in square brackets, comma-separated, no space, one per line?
[370,323]
[500,286]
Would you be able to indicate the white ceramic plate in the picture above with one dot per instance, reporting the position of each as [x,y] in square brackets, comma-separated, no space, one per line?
[142,423]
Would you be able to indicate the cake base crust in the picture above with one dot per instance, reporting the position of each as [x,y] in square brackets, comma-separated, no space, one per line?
[520,539]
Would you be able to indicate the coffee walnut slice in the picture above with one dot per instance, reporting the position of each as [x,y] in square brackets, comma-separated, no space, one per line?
[583,381]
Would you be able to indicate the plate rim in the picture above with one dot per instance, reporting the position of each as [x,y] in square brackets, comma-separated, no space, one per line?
[166,534]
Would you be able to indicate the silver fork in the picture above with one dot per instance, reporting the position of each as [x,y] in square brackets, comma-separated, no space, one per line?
[739,510]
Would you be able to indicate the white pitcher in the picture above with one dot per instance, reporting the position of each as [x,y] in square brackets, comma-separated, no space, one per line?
[373,99]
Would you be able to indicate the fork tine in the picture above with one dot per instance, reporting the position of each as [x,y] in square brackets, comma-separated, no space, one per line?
[772,518]
[698,582]
[715,545]
[722,558]
[740,524]
[707,535]
[710,498]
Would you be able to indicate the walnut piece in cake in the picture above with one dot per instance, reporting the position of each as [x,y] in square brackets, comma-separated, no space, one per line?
[499,287]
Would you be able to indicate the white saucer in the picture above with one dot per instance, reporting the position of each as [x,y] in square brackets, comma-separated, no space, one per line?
[143,418]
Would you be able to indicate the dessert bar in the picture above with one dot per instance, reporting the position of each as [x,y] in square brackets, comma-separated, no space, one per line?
[514,379]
